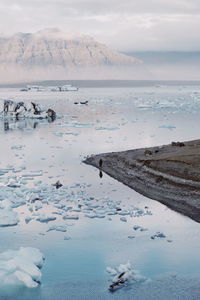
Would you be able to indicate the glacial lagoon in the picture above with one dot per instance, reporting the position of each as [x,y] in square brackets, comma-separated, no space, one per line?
[94,222]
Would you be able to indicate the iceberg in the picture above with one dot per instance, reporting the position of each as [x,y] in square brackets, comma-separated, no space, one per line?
[21,267]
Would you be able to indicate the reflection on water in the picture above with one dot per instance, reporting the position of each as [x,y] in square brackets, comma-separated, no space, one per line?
[22,124]
[100,174]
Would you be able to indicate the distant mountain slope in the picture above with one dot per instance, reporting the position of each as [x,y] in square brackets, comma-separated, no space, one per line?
[51,47]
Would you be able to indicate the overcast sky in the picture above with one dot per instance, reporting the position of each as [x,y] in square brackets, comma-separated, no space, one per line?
[126,25]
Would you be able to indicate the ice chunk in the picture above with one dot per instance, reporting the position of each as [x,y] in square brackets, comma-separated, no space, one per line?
[131,237]
[13,183]
[123,213]
[66,238]
[45,219]
[123,275]
[167,126]
[107,128]
[38,206]
[28,219]
[79,125]
[158,235]
[139,228]
[58,228]
[94,215]
[18,147]
[8,217]
[70,217]
[21,267]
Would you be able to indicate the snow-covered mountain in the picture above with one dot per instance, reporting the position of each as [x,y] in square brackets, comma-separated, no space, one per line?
[51,47]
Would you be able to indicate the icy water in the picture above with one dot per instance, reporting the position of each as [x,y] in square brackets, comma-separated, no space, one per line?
[36,154]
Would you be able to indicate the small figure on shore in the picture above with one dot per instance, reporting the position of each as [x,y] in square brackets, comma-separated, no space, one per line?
[100,174]
[100,163]
[58,184]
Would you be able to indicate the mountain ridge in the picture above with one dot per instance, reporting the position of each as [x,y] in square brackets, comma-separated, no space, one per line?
[52,47]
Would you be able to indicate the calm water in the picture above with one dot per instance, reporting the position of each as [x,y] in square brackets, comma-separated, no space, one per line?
[114,119]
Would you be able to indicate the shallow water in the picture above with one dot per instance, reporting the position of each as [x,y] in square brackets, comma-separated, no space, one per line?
[114,119]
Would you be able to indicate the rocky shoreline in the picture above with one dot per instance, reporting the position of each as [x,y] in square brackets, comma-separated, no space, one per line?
[169,174]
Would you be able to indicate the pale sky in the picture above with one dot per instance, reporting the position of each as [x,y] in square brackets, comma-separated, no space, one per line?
[125,25]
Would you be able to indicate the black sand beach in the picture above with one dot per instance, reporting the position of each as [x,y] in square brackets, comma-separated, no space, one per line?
[169,174]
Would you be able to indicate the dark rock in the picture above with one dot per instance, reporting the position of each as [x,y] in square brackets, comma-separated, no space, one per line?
[177,144]
[147,152]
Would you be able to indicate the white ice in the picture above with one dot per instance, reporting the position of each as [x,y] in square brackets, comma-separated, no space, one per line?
[21,267]
[8,217]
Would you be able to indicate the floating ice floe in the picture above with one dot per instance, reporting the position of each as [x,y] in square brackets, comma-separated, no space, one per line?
[123,219]
[61,228]
[28,219]
[94,215]
[8,217]
[139,228]
[78,125]
[70,217]
[167,126]
[18,147]
[45,219]
[123,275]
[131,237]
[107,128]
[21,267]
[158,235]
[44,203]
[67,238]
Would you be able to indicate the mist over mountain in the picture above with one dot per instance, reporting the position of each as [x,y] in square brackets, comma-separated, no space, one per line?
[52,54]
[170,65]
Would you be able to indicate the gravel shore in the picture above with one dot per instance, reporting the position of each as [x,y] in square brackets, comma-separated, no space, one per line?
[169,174]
